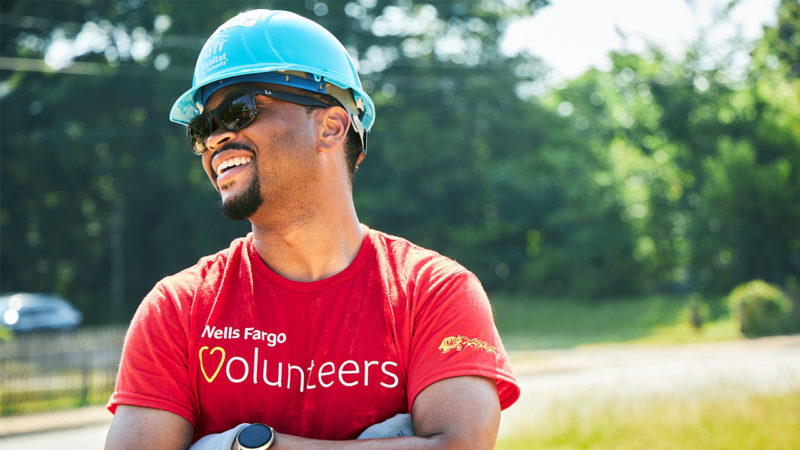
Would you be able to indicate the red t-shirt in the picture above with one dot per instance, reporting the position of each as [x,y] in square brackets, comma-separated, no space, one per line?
[230,341]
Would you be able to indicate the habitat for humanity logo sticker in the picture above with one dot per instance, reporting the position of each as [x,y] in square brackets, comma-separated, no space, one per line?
[460,342]
[213,55]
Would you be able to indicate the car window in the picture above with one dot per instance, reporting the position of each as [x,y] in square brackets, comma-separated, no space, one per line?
[38,309]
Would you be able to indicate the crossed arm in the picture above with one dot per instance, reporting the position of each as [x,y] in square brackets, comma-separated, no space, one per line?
[459,412]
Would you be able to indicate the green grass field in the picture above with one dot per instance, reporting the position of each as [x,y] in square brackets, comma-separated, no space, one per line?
[548,324]
[718,421]
[753,422]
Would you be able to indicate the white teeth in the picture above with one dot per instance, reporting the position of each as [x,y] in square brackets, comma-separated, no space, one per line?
[233,162]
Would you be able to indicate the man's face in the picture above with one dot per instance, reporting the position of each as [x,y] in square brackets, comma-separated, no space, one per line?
[269,161]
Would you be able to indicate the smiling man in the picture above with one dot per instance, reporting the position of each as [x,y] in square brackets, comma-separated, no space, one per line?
[313,330]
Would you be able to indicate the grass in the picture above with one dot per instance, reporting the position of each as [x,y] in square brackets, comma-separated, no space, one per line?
[548,324]
[56,403]
[55,371]
[722,422]
[56,391]
[719,419]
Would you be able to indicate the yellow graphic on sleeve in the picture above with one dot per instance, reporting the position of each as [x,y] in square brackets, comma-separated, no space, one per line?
[219,366]
[460,342]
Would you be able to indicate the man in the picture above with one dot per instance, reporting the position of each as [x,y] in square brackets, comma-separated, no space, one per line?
[313,324]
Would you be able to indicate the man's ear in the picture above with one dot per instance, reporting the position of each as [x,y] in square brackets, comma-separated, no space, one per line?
[334,126]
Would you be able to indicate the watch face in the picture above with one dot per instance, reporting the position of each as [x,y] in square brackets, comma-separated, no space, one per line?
[256,435]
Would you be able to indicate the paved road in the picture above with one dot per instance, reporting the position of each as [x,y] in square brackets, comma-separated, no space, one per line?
[80,438]
[596,376]
[626,377]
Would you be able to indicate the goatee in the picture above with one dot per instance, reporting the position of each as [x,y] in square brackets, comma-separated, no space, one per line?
[245,204]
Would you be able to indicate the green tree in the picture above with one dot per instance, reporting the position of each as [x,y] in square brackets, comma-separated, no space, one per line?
[99,196]
[704,161]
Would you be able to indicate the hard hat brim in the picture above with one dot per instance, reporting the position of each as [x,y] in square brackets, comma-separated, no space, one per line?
[190,103]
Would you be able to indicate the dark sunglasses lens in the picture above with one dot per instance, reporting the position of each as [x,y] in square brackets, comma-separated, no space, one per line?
[238,113]
[233,114]
[199,130]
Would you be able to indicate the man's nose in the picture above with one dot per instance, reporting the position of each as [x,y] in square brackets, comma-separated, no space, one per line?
[219,137]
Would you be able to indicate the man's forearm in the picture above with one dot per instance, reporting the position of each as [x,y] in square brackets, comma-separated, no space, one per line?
[454,413]
[285,441]
[399,425]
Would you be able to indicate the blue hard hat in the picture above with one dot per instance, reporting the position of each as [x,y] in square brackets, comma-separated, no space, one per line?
[277,47]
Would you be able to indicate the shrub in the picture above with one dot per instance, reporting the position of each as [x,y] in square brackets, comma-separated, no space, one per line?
[762,309]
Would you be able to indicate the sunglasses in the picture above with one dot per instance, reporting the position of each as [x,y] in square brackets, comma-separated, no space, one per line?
[237,111]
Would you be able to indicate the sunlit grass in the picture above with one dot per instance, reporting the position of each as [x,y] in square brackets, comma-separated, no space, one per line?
[527,324]
[67,390]
[683,333]
[717,422]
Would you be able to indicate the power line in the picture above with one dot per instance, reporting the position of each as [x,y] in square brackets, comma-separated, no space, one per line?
[87,68]
[38,65]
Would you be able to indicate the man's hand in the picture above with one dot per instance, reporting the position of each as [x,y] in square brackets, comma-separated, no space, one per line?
[397,426]
[219,441]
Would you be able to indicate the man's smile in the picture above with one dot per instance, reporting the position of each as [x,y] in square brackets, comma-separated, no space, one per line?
[232,162]
[228,163]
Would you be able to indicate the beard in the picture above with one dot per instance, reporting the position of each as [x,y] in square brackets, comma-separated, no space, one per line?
[245,204]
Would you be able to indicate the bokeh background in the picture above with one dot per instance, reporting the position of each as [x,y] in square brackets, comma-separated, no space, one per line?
[656,174]
[605,204]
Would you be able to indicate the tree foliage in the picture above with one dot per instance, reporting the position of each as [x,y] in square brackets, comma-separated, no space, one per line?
[654,175]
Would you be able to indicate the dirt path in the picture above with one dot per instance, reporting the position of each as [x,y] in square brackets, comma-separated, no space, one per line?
[595,377]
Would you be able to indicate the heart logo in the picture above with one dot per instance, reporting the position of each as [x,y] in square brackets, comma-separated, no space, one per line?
[219,366]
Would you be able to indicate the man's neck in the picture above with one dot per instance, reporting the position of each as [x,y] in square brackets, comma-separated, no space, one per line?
[310,249]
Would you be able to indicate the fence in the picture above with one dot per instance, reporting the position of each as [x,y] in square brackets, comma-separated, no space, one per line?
[46,372]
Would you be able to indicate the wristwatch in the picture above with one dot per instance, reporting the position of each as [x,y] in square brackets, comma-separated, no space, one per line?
[255,436]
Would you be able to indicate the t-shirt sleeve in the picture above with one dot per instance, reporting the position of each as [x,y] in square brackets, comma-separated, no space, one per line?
[153,370]
[454,335]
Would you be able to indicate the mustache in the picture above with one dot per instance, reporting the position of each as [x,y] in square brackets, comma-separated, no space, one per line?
[233,146]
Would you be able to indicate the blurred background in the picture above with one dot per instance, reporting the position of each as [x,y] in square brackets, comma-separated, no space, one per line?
[612,171]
